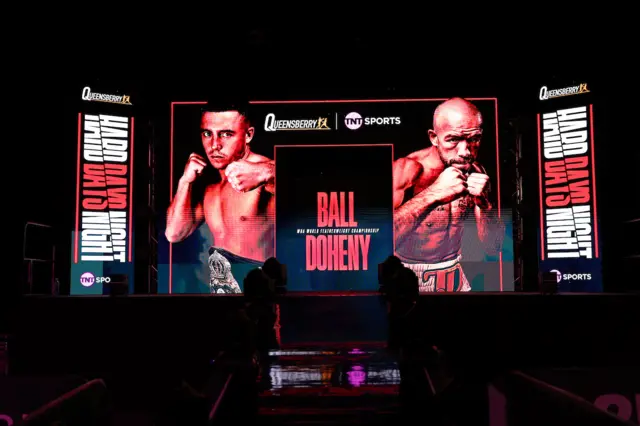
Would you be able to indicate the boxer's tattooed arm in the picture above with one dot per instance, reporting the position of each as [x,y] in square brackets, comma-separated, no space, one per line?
[408,216]
[405,173]
[269,176]
[182,216]
[490,229]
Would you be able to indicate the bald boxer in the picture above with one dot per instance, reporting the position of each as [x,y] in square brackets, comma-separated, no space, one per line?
[239,208]
[435,190]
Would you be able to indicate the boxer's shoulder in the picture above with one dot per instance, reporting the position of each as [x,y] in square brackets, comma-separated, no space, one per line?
[406,164]
[429,162]
[406,171]
[419,156]
[257,158]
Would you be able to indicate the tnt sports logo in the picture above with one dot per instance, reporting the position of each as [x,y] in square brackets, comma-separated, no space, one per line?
[571,277]
[88,279]
[354,121]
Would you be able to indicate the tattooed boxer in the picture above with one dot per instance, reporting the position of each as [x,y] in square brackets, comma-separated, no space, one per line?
[435,191]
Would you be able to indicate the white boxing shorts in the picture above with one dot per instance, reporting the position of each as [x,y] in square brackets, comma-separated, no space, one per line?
[440,277]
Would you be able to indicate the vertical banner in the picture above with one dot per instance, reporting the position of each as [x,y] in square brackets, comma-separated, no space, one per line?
[569,243]
[103,236]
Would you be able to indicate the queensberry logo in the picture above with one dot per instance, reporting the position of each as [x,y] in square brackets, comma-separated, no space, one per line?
[546,94]
[271,124]
[88,95]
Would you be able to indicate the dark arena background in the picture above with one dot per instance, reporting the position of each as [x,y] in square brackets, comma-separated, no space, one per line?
[361,240]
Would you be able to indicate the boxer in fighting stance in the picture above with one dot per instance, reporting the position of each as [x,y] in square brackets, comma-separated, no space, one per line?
[239,209]
[435,190]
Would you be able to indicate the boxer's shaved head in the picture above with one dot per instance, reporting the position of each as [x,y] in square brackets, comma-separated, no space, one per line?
[456,133]
[456,113]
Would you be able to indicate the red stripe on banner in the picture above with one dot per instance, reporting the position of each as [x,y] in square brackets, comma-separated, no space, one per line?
[275,202]
[75,248]
[131,195]
[498,178]
[171,189]
[393,227]
[540,187]
[593,171]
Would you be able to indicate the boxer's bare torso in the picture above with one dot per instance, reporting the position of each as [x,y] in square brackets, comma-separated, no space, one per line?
[241,223]
[239,208]
[438,235]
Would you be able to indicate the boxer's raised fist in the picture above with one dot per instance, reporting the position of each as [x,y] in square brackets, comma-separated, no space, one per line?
[246,176]
[478,184]
[194,168]
[449,185]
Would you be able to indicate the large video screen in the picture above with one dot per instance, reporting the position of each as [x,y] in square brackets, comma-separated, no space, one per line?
[331,189]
